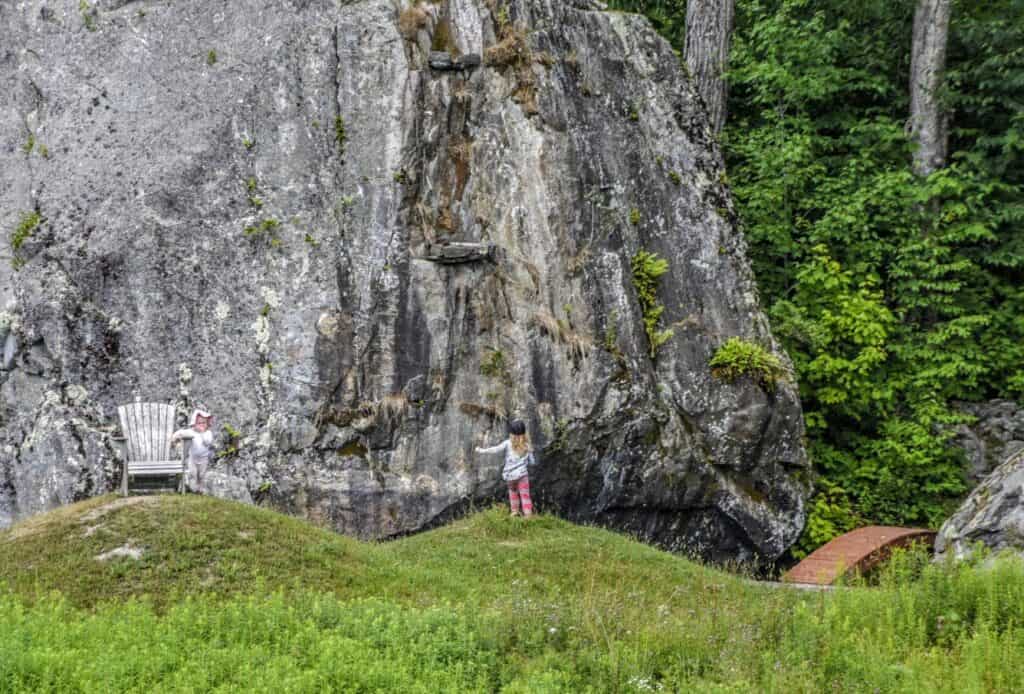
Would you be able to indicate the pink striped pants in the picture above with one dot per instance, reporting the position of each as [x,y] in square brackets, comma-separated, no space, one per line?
[519,491]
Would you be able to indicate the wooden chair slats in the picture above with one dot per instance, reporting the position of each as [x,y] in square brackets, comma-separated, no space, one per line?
[168,425]
[158,467]
[148,427]
[145,428]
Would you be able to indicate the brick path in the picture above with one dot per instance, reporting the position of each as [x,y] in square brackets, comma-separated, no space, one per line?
[860,549]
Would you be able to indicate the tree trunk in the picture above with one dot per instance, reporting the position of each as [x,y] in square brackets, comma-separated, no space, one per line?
[708,28]
[928,124]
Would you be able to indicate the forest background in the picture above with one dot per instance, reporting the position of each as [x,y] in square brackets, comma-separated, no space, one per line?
[897,292]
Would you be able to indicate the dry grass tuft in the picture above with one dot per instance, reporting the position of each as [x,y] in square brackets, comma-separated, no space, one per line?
[533,272]
[579,345]
[512,49]
[411,20]
[548,324]
[460,149]
[477,410]
[445,220]
[461,93]
[526,93]
[370,413]
[365,416]
[579,261]
[393,406]
[544,58]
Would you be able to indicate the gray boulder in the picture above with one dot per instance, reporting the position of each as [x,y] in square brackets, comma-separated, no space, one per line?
[224,485]
[234,205]
[68,455]
[992,515]
[997,434]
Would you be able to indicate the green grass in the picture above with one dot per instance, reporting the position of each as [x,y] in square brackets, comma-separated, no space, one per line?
[234,597]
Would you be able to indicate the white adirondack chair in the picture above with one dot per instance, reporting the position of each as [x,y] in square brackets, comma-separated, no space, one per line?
[148,427]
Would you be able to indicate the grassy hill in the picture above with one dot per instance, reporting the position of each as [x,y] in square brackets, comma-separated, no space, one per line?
[201,594]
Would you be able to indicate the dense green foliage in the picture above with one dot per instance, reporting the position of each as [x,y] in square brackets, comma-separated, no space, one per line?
[895,296]
[647,269]
[229,597]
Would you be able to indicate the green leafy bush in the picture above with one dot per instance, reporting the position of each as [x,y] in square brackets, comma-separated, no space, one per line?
[738,357]
[88,13]
[495,365]
[232,442]
[647,269]
[27,223]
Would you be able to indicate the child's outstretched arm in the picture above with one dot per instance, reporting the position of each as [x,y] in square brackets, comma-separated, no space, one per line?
[493,449]
[183,434]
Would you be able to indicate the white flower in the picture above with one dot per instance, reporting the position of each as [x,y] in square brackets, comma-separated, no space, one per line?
[645,684]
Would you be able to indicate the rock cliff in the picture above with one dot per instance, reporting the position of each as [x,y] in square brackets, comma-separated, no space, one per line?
[243,203]
[996,434]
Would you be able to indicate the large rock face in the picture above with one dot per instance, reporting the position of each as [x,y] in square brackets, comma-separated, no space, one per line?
[237,202]
[992,515]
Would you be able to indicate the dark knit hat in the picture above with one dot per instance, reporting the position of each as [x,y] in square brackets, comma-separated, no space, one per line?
[516,427]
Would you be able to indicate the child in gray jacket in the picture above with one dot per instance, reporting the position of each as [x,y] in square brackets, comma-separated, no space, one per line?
[518,457]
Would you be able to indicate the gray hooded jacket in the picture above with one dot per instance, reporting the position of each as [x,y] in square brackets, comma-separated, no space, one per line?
[515,465]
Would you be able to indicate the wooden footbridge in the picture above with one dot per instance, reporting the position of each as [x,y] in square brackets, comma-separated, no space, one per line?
[857,551]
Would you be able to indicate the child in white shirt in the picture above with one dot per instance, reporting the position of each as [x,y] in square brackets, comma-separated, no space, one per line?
[200,447]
